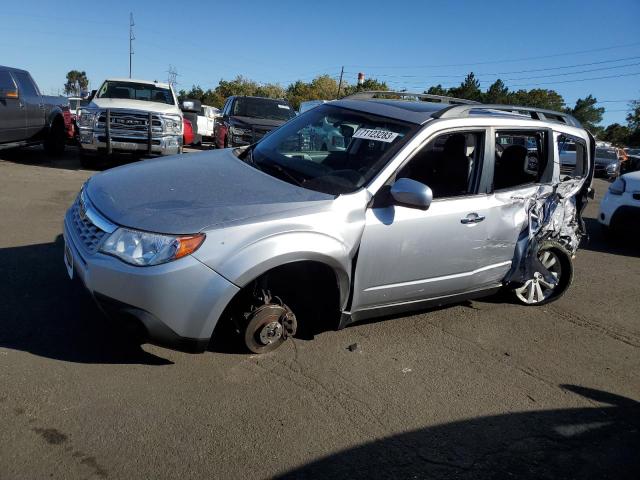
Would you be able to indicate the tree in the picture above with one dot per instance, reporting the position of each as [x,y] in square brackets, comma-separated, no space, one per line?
[77,82]
[633,118]
[538,98]
[437,90]
[323,87]
[469,89]
[586,112]
[370,84]
[616,134]
[497,93]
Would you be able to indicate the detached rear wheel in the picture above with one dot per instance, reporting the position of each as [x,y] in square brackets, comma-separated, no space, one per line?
[550,280]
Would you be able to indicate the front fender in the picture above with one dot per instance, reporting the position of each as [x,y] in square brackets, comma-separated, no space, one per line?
[54,113]
[245,265]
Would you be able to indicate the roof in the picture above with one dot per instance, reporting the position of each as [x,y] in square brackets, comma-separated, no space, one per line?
[420,112]
[135,80]
[408,111]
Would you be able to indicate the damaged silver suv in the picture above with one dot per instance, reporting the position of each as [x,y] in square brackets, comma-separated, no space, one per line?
[426,202]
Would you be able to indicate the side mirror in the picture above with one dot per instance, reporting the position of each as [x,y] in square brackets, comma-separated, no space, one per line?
[412,193]
[93,94]
[9,93]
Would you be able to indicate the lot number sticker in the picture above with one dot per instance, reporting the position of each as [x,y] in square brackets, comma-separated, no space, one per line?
[377,135]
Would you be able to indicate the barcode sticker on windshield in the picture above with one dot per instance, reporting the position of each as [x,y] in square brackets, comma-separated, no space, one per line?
[285,107]
[377,135]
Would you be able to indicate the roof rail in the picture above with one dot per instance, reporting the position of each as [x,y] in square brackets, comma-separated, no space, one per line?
[439,98]
[535,113]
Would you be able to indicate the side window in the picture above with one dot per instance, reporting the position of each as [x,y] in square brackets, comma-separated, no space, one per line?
[520,158]
[448,164]
[26,84]
[572,153]
[227,105]
[6,82]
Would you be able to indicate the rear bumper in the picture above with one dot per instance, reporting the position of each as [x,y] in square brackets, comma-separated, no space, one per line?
[178,303]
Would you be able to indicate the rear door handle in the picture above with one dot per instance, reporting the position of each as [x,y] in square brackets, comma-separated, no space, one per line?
[472,218]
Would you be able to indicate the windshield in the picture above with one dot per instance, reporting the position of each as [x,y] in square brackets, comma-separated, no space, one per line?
[608,154]
[330,149]
[136,91]
[262,108]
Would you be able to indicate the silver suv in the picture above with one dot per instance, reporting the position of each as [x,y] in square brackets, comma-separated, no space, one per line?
[431,201]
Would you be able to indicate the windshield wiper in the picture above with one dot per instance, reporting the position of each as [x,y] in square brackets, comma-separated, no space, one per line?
[281,169]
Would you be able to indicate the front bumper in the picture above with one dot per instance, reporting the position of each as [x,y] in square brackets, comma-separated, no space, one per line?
[95,141]
[178,303]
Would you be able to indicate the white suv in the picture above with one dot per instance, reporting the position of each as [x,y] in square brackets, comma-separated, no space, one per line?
[131,116]
[621,204]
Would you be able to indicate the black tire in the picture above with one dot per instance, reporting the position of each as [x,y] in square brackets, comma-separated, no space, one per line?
[564,278]
[56,138]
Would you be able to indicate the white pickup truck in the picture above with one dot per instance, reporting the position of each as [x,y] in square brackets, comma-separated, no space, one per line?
[135,116]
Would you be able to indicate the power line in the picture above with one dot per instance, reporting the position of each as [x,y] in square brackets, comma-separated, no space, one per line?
[512,60]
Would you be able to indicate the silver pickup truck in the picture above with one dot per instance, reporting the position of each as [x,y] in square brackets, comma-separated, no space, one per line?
[134,116]
[27,117]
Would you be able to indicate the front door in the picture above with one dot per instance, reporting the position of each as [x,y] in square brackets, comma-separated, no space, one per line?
[32,101]
[407,254]
[12,111]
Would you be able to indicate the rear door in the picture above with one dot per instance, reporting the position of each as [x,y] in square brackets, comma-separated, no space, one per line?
[12,112]
[32,101]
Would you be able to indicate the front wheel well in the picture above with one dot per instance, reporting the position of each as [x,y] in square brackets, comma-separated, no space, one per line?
[309,288]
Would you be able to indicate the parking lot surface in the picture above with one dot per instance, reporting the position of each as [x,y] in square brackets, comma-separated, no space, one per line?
[481,389]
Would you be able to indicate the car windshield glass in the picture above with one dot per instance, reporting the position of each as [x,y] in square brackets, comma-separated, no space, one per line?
[262,108]
[136,91]
[608,154]
[330,149]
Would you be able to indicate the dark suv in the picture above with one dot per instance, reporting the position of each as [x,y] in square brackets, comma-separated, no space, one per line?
[245,120]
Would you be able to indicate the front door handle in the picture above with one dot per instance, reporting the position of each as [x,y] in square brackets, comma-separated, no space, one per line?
[472,218]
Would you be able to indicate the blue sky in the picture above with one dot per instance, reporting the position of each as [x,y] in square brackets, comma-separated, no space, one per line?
[409,44]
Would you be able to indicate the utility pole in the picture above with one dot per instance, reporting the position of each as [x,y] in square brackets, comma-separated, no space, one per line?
[172,77]
[340,82]
[131,39]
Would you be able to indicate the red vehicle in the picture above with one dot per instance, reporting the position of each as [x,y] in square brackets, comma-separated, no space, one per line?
[69,123]
[187,136]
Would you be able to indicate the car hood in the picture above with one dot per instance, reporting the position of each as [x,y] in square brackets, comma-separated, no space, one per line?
[632,180]
[190,193]
[127,104]
[258,122]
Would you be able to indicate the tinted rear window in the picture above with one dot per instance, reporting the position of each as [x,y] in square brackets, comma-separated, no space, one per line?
[262,108]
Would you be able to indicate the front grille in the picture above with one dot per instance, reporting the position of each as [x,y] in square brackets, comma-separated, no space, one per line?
[141,141]
[89,235]
[130,122]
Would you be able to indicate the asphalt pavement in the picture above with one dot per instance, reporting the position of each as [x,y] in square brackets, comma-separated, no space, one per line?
[481,389]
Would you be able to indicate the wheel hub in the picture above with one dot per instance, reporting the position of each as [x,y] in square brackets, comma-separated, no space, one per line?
[271,332]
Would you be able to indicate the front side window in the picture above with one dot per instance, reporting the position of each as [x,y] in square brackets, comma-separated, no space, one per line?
[136,91]
[6,81]
[26,84]
[520,158]
[448,164]
[330,149]
[262,108]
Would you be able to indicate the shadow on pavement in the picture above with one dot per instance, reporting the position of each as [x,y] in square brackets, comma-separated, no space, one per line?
[44,313]
[622,243]
[581,443]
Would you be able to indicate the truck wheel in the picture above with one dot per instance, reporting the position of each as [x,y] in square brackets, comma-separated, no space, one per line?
[542,288]
[56,138]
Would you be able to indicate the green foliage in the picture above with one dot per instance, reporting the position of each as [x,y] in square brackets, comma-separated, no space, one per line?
[469,89]
[370,84]
[633,118]
[497,93]
[586,112]
[77,82]
[616,134]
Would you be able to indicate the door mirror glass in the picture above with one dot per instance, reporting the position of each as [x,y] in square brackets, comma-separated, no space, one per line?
[412,193]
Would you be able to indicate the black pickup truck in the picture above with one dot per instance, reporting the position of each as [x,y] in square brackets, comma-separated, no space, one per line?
[29,118]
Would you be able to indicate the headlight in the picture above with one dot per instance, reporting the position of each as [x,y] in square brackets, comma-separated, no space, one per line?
[618,187]
[144,249]
[612,167]
[172,124]
[86,118]
[240,131]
